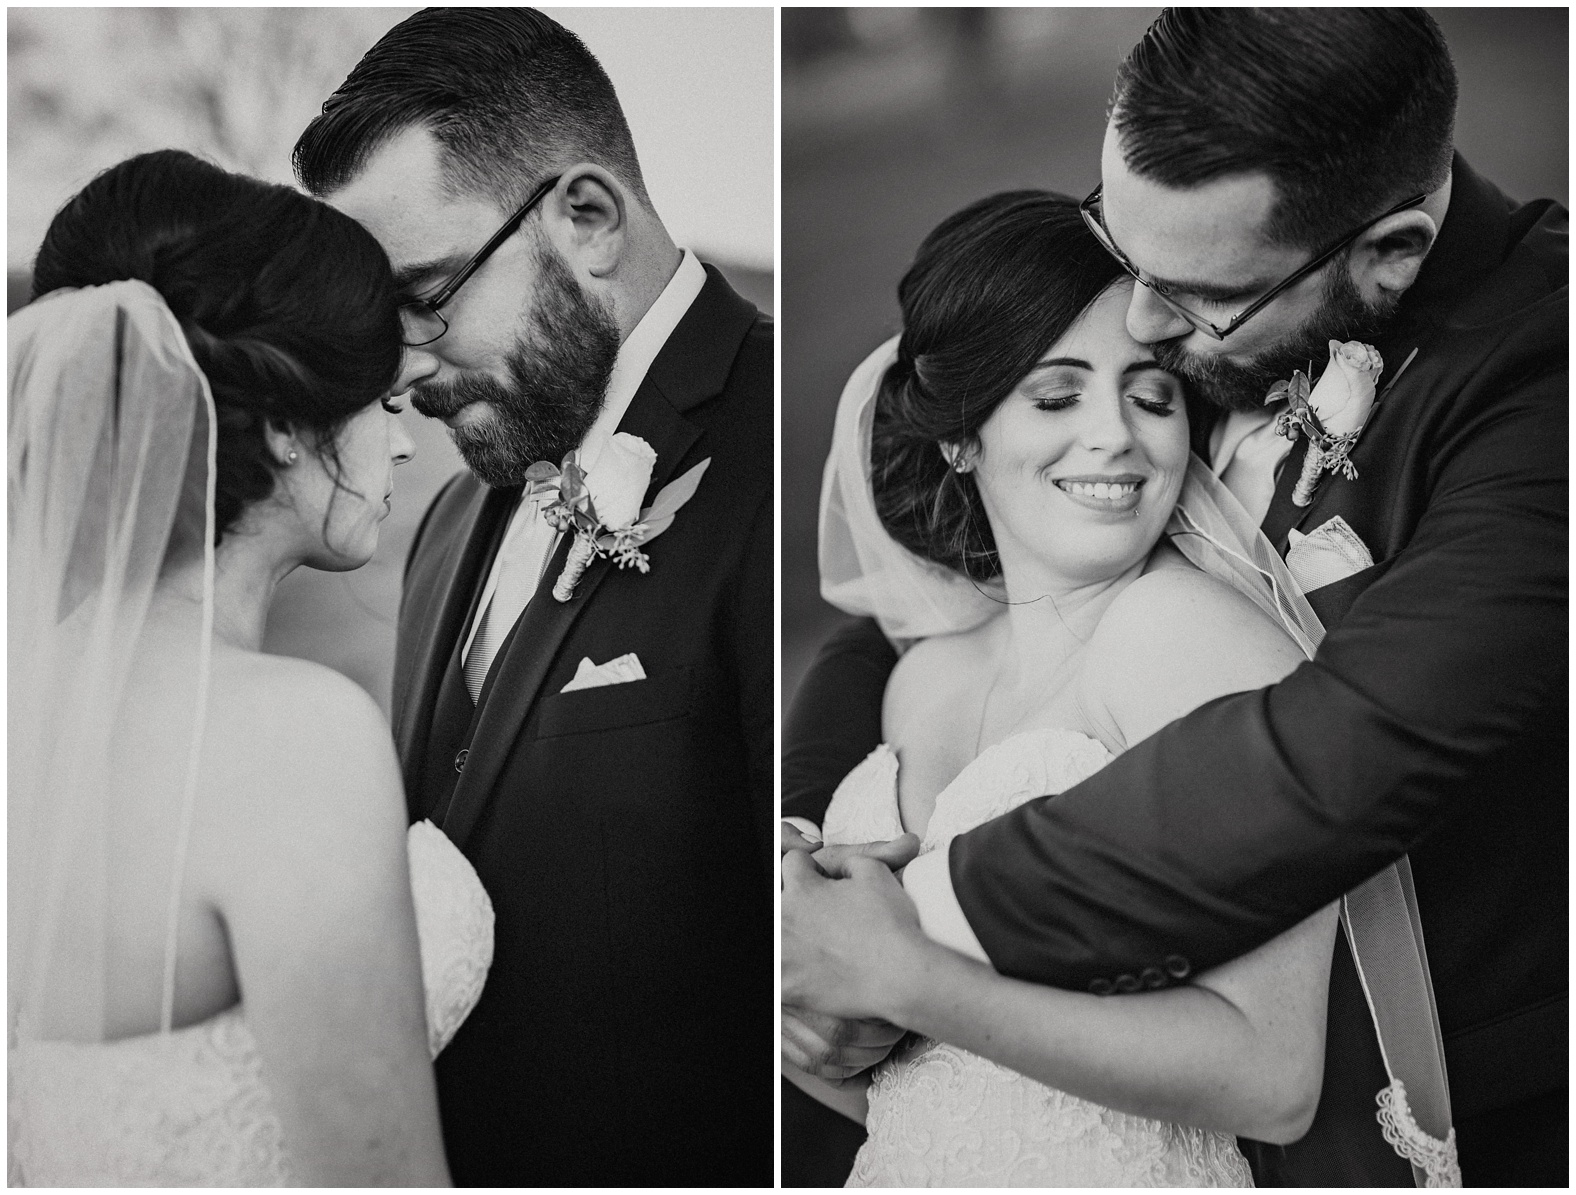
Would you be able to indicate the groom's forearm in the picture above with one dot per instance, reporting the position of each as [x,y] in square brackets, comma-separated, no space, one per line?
[834,720]
[1240,819]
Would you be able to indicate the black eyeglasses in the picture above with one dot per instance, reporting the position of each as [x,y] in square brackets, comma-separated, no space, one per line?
[422,320]
[1090,210]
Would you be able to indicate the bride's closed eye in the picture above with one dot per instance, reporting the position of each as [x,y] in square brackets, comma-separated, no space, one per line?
[1156,401]
[392,407]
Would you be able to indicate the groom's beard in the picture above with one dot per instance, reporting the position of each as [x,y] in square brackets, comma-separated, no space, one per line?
[558,374]
[1343,314]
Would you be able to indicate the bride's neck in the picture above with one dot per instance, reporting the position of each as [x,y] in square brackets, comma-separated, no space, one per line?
[1049,620]
[247,568]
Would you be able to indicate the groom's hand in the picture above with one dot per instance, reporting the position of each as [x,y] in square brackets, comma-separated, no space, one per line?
[832,1048]
[849,944]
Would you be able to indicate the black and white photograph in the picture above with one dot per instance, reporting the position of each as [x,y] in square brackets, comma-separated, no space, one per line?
[1175,610]
[392,725]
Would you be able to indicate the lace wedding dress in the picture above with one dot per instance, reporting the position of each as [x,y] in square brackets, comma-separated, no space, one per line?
[943,1117]
[191,1107]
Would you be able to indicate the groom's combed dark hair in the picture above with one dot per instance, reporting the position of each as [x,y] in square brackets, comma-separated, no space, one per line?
[511,95]
[1348,110]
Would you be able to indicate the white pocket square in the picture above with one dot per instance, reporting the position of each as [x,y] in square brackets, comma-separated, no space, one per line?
[1330,553]
[615,672]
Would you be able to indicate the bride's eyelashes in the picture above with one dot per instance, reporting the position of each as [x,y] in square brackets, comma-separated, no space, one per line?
[392,407]
[1162,405]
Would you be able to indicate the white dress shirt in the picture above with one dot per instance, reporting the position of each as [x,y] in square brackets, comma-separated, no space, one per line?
[529,541]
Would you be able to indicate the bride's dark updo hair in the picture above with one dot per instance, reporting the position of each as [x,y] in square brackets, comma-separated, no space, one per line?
[990,290]
[287,304]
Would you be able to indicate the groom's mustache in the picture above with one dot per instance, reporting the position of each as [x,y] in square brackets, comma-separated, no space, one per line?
[440,400]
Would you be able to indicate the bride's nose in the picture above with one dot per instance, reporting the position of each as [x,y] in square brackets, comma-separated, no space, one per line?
[1104,426]
[401,446]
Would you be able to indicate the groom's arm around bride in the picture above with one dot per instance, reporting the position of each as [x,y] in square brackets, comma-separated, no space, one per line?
[1433,720]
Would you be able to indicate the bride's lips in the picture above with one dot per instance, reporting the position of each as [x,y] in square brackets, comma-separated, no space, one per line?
[1116,493]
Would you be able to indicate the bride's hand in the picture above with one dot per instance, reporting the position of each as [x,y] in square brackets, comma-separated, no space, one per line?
[851,945]
[831,1048]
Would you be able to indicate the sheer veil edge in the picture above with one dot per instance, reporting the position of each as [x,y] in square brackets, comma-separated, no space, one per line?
[111,486]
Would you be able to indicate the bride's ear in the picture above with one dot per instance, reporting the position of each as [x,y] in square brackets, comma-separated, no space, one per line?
[960,457]
[283,444]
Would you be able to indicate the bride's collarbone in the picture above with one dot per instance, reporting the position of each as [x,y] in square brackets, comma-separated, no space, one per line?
[947,705]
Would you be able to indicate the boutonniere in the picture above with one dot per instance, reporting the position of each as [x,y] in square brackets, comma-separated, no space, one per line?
[1331,413]
[602,507]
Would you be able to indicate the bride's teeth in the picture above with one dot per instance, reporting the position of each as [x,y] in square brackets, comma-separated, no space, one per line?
[1099,489]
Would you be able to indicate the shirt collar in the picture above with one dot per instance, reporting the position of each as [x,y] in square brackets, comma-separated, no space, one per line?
[639,350]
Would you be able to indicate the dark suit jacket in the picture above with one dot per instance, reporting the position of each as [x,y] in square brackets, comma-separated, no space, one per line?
[624,833]
[1432,721]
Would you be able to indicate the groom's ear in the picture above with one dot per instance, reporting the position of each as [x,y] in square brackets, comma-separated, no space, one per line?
[1385,260]
[596,207]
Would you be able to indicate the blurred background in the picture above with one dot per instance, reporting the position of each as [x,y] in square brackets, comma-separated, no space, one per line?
[88,87]
[893,118]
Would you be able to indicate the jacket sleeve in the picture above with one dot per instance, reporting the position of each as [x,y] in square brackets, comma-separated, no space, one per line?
[834,720]
[753,661]
[1238,820]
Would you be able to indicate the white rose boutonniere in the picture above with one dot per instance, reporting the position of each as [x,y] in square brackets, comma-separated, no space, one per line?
[1331,413]
[602,508]
[618,481]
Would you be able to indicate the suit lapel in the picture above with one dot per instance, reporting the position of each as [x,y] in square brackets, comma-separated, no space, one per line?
[457,587]
[691,367]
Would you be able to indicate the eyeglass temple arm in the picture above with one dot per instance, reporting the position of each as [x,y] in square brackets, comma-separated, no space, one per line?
[509,227]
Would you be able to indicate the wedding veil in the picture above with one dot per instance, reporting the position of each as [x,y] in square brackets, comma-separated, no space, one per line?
[112,443]
[865,571]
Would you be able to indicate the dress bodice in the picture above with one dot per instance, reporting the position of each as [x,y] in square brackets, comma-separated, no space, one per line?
[943,1117]
[190,1107]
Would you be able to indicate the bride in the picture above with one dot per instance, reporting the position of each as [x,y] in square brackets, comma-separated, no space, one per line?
[1001,487]
[215,974]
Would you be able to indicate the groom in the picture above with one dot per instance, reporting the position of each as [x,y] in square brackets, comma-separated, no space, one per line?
[594,750]
[1433,721]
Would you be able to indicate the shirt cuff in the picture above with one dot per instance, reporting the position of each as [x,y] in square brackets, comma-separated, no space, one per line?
[805,826]
[928,881]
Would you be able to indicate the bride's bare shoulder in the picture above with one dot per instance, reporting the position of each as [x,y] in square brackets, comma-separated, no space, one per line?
[1175,638]
[310,736]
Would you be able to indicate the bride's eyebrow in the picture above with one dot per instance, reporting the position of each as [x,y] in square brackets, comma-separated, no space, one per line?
[1066,362]
[1142,366]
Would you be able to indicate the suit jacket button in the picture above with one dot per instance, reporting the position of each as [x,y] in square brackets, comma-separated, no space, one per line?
[1100,987]
[1153,977]
[1177,966]
[1126,983]
[459,760]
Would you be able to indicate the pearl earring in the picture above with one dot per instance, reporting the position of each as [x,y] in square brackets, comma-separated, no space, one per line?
[291,457]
